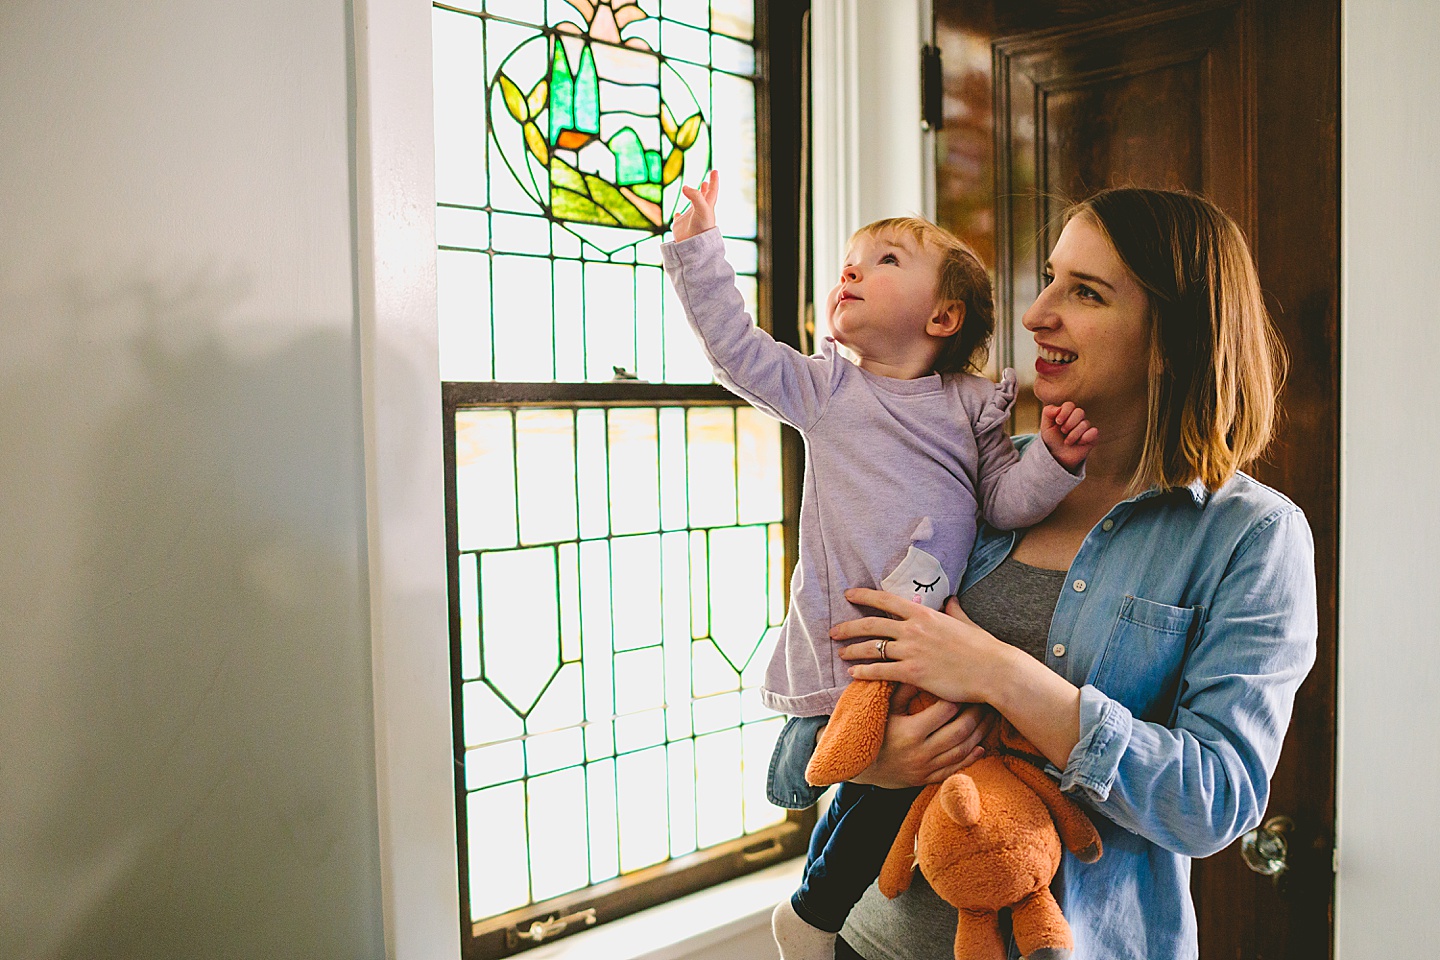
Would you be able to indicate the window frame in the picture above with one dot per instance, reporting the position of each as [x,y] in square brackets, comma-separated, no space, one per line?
[780,61]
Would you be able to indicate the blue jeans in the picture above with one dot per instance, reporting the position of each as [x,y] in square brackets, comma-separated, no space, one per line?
[850,841]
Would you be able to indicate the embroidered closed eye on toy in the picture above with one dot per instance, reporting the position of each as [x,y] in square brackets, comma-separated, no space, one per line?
[987,838]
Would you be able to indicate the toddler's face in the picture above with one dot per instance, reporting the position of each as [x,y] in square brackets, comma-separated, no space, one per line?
[886,294]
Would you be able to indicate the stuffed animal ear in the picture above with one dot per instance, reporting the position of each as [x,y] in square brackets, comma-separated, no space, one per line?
[960,800]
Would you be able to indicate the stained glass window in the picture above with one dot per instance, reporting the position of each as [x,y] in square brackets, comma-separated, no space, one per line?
[564,130]
[618,559]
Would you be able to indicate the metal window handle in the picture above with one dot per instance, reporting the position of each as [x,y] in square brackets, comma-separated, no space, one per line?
[1266,849]
[544,929]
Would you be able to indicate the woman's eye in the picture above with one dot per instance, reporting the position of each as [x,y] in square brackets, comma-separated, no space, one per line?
[1046,279]
[1086,293]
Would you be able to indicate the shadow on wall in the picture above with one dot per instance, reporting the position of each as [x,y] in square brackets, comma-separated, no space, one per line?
[186,748]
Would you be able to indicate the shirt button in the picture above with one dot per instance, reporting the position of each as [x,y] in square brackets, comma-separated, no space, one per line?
[1058,649]
[1079,586]
[1108,525]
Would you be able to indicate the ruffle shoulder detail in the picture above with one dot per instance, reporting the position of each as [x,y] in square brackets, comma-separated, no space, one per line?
[996,410]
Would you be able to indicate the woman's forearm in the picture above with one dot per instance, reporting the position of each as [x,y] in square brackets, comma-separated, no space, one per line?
[1042,705]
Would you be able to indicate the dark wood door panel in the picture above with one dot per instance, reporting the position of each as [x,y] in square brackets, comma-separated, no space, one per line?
[1158,99]
[1048,101]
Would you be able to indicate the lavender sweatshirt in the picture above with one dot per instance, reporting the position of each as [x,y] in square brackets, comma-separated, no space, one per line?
[893,472]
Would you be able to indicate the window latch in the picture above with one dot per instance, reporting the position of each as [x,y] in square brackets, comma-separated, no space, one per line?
[545,929]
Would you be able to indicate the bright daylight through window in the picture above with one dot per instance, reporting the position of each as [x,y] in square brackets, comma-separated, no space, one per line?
[618,559]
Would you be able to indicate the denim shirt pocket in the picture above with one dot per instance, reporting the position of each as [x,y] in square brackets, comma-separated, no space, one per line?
[1145,655]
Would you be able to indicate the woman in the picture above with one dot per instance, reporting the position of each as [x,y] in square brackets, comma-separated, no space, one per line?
[1158,622]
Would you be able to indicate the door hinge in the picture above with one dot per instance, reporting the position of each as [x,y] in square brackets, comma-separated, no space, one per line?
[932,88]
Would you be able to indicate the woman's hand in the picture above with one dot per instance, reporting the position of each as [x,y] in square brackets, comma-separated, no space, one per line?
[944,653]
[928,746]
[701,214]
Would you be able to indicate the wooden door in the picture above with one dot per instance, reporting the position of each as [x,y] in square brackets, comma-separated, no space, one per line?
[1048,101]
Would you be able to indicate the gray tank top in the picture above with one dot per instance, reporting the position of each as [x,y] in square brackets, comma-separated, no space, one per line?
[1014,603]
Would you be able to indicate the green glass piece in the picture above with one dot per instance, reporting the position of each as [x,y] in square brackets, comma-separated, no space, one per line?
[587,94]
[650,191]
[562,94]
[614,201]
[630,163]
[566,176]
[652,169]
[572,206]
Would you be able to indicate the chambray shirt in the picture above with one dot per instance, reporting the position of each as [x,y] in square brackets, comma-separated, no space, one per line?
[1188,620]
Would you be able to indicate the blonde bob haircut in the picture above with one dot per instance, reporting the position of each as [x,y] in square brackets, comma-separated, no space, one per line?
[962,280]
[1216,362]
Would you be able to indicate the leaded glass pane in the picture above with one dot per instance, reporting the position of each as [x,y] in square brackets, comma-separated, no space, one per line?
[604,642]
[564,131]
[621,568]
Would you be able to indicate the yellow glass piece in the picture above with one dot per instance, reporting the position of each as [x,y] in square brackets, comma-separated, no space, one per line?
[569,560]
[469,587]
[760,490]
[711,434]
[485,479]
[733,17]
[514,99]
[699,586]
[634,470]
[545,460]
[535,140]
[777,573]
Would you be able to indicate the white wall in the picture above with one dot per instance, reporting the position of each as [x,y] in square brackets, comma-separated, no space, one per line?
[1389,834]
[186,739]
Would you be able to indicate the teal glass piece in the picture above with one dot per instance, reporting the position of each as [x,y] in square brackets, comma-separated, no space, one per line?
[587,94]
[630,161]
[653,170]
[562,94]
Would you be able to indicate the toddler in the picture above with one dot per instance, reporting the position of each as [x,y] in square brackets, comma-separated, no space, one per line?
[902,447]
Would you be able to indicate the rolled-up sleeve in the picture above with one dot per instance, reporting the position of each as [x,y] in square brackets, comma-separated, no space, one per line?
[1193,786]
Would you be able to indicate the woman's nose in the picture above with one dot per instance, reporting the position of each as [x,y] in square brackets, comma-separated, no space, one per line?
[1039,316]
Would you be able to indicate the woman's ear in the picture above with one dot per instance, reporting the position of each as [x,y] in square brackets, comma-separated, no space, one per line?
[948,319]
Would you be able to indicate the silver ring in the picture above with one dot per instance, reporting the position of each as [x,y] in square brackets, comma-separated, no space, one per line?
[880,646]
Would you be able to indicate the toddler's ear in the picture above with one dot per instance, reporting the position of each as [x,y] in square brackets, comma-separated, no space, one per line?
[948,319]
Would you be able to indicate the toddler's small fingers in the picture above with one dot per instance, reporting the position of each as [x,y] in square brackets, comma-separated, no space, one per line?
[1090,435]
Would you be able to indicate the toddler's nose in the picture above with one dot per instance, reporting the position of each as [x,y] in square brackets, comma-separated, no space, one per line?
[850,272]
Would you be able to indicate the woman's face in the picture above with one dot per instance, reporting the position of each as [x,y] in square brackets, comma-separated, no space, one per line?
[1092,328]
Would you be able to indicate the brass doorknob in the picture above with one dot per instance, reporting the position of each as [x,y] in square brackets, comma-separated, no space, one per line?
[1265,849]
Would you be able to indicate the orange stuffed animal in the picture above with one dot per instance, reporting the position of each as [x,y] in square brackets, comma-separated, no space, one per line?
[987,838]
